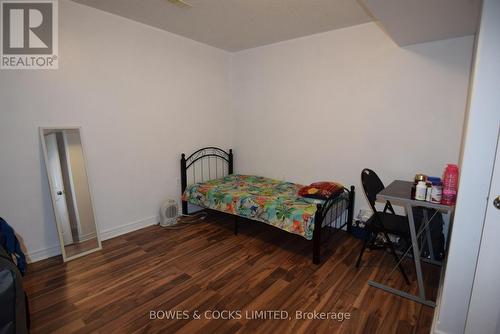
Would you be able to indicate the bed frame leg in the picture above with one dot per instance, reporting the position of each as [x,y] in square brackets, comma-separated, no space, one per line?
[183,183]
[236,225]
[350,212]
[317,236]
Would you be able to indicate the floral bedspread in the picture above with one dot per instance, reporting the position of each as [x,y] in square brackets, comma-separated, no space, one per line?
[270,201]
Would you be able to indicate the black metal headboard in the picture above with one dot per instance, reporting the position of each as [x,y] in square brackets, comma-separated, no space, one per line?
[206,164]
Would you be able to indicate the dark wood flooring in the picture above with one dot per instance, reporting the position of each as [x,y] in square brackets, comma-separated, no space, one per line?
[204,267]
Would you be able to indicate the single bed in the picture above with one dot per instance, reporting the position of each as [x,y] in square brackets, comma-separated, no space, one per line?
[208,181]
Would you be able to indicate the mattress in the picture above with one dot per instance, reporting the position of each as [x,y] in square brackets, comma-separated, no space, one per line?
[258,198]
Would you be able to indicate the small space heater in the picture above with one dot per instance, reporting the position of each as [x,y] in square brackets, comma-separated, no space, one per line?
[169,212]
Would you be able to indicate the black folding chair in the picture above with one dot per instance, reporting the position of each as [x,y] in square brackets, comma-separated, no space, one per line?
[382,222]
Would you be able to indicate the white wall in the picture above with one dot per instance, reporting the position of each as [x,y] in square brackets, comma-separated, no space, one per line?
[479,149]
[326,106]
[141,95]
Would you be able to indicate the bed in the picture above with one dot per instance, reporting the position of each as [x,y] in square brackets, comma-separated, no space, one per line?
[208,181]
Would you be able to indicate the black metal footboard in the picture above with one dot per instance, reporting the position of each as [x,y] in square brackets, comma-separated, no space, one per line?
[334,214]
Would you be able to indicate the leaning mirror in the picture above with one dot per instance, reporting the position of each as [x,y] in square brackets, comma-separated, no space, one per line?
[70,191]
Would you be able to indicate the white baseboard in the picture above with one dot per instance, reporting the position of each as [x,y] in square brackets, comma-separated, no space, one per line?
[105,235]
[43,254]
[130,227]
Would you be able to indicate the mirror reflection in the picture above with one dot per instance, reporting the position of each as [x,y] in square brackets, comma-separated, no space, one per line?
[70,192]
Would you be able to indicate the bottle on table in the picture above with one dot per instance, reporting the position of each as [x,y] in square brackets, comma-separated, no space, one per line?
[428,191]
[450,185]
[418,177]
[421,191]
[436,189]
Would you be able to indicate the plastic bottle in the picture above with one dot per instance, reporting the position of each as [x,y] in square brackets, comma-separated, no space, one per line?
[437,189]
[418,177]
[420,191]
[428,192]
[436,193]
[450,185]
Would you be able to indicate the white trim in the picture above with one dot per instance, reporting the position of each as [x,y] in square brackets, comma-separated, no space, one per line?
[45,253]
[51,191]
[130,227]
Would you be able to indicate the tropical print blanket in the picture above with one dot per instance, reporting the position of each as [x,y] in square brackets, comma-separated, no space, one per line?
[270,201]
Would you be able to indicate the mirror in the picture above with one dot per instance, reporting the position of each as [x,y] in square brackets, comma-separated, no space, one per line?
[70,191]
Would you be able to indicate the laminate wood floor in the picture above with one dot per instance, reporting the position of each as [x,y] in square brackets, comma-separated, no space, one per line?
[205,268]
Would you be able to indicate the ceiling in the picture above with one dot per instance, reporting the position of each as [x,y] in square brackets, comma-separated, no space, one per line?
[417,21]
[235,25]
